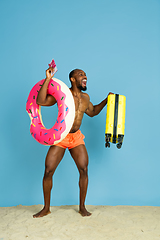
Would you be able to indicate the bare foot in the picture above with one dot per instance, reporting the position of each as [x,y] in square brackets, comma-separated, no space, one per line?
[83,211]
[42,213]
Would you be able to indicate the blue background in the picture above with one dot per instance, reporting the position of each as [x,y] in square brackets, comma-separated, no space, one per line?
[117,43]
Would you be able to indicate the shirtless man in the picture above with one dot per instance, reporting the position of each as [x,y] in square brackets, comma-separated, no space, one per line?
[74,140]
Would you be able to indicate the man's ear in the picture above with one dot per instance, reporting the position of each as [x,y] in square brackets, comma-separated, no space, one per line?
[72,79]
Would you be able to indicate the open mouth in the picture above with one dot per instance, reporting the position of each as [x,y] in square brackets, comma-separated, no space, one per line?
[84,82]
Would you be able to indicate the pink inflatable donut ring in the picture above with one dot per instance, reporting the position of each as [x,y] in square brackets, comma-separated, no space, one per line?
[66,113]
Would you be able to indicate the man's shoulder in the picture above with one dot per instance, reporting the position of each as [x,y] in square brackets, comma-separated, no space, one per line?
[85,95]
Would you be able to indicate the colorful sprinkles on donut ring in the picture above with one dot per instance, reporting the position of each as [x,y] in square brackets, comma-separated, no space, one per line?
[66,112]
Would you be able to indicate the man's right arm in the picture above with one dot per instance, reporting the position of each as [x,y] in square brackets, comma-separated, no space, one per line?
[43,98]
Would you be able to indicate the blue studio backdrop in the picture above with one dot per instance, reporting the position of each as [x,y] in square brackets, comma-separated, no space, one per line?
[117,44]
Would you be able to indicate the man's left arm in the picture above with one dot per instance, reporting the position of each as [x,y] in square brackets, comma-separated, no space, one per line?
[94,110]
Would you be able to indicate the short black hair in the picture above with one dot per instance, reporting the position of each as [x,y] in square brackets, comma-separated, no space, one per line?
[72,73]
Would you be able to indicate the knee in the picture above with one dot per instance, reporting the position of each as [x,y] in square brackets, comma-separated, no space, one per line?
[83,171]
[48,172]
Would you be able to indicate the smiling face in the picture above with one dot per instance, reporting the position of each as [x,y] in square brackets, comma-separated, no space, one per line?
[80,78]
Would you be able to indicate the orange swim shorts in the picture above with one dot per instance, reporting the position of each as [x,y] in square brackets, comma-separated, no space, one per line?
[72,140]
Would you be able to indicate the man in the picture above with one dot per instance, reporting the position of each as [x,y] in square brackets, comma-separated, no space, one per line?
[73,141]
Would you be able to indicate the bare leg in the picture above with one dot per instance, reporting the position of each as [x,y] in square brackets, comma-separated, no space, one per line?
[53,158]
[80,157]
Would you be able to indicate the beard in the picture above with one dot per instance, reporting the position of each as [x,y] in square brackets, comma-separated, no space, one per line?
[82,88]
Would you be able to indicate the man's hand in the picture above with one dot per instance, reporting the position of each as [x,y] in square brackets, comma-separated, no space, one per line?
[50,72]
[109,94]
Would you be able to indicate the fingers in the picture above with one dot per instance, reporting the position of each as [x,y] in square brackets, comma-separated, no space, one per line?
[110,93]
[50,72]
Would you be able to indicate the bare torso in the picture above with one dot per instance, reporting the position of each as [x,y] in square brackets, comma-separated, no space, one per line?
[81,101]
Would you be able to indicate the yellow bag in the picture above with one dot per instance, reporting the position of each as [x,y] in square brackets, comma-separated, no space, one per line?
[115,120]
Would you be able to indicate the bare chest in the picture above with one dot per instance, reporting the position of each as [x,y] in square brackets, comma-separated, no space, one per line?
[81,104]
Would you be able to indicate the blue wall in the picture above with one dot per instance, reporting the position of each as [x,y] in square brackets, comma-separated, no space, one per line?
[117,43]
